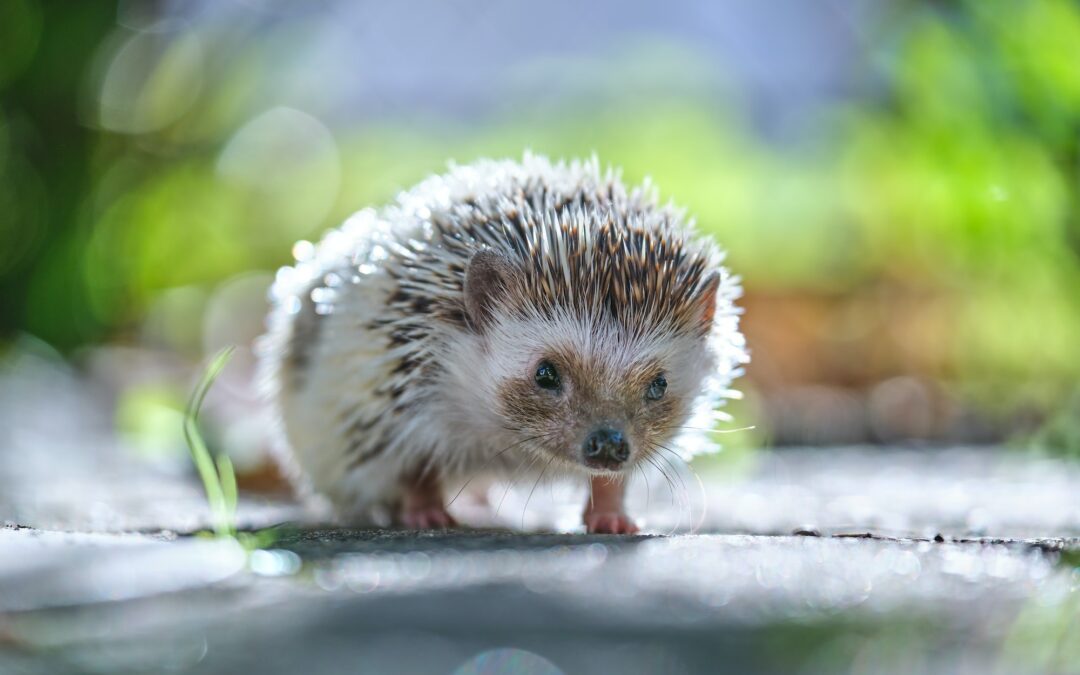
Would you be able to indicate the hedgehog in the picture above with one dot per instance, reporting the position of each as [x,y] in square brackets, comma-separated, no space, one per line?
[503,319]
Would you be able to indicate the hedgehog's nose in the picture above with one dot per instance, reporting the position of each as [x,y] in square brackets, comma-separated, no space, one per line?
[606,449]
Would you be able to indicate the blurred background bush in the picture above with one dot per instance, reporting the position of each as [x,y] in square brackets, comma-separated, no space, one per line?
[895,182]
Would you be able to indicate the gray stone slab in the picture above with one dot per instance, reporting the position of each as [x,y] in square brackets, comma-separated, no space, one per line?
[319,600]
[931,588]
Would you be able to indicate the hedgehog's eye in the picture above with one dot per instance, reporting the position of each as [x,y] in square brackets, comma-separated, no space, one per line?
[656,389]
[546,376]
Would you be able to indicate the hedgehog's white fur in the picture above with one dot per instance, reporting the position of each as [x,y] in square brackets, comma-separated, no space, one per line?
[342,408]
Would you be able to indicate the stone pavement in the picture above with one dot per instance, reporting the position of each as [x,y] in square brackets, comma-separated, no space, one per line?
[813,561]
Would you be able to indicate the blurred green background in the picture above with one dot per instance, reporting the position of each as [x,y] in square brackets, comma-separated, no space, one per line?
[894,181]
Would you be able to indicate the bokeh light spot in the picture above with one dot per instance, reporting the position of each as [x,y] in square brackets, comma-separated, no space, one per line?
[508,661]
[152,80]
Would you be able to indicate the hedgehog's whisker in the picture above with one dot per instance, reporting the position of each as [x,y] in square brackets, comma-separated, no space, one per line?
[671,488]
[529,498]
[513,480]
[673,467]
[648,489]
[711,431]
[682,483]
[701,484]
[495,457]
[704,502]
[684,464]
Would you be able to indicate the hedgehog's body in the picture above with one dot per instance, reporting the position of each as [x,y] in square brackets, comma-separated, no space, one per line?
[504,315]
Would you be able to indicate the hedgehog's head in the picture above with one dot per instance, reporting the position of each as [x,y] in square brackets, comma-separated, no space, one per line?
[585,377]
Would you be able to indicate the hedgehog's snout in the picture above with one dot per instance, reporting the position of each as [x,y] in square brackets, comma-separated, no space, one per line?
[606,448]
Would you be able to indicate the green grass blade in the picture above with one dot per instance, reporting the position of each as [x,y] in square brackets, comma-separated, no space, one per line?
[219,485]
[227,476]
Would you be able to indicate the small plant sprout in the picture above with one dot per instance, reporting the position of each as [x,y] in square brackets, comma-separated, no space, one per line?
[217,474]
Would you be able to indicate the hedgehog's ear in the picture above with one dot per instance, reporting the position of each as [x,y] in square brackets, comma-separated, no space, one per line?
[705,302]
[486,279]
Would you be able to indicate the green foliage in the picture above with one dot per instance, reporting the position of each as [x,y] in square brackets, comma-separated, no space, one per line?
[952,178]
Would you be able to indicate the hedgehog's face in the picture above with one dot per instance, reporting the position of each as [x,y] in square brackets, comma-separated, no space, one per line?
[607,446]
[588,397]
[583,391]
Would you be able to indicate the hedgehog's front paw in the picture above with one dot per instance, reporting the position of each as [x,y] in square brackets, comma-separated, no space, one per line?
[604,512]
[609,522]
[429,517]
[423,508]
